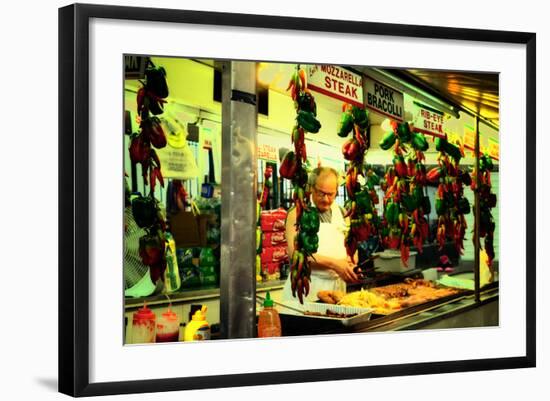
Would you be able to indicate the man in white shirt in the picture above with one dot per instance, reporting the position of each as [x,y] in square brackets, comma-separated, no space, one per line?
[332,268]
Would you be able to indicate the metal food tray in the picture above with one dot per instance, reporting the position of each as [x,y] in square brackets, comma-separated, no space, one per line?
[363,314]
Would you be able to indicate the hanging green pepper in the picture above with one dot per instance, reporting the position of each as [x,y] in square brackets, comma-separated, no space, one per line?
[346,124]
[309,242]
[360,117]
[372,180]
[144,210]
[364,201]
[388,140]
[404,132]
[463,206]
[418,195]
[392,213]
[419,142]
[453,151]
[440,207]
[408,202]
[308,122]
[309,221]
[440,144]
[306,103]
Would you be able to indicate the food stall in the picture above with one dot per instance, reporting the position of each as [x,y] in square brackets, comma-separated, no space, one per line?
[418,163]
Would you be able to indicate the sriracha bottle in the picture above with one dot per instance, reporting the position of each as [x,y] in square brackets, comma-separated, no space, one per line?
[269,322]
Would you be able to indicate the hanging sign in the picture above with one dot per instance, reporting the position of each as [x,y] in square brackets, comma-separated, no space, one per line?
[176,158]
[428,121]
[134,67]
[493,149]
[178,163]
[268,152]
[469,138]
[383,99]
[336,82]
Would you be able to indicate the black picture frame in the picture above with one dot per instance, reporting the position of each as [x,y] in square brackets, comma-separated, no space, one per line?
[74,198]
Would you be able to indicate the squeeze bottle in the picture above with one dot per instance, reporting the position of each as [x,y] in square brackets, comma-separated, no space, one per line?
[143,326]
[167,327]
[269,322]
[198,328]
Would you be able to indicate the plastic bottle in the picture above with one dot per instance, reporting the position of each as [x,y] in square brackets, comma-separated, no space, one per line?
[167,327]
[172,281]
[269,322]
[198,328]
[143,326]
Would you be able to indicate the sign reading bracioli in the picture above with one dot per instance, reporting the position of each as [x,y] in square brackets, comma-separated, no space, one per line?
[384,99]
[336,82]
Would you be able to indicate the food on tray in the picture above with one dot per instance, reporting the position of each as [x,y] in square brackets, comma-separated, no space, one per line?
[330,313]
[389,298]
[368,299]
[330,297]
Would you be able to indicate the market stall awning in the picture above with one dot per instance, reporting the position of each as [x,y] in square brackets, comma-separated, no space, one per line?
[475,92]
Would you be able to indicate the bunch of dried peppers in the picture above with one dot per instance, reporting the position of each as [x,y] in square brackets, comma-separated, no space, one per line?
[145,209]
[150,100]
[293,167]
[360,207]
[487,201]
[405,204]
[450,203]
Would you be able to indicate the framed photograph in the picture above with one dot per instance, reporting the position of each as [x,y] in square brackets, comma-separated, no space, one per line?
[252,199]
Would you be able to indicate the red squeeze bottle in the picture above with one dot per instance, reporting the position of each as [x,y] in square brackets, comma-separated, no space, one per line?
[269,322]
[143,326]
[167,327]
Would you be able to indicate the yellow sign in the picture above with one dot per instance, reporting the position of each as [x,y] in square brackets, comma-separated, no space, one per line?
[493,148]
[268,152]
[469,138]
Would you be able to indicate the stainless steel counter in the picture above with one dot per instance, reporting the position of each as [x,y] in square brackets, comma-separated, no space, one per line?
[193,295]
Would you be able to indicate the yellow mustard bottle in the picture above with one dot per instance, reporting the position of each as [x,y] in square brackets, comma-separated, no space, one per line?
[198,328]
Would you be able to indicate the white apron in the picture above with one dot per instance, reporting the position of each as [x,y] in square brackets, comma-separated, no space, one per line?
[331,243]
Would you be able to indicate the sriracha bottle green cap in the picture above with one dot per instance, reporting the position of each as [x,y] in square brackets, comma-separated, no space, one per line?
[268,302]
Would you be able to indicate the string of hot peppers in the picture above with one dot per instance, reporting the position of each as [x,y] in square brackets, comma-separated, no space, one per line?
[450,203]
[150,100]
[293,168]
[405,205]
[360,206]
[145,209]
[487,201]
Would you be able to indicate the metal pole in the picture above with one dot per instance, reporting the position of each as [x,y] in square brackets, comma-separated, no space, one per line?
[238,212]
[477,217]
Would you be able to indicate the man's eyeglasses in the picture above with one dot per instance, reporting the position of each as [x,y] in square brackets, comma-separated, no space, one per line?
[322,194]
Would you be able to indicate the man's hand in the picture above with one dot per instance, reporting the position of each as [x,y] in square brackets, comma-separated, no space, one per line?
[344,268]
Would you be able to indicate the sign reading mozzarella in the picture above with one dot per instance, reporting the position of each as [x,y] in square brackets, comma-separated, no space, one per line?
[383,99]
[337,83]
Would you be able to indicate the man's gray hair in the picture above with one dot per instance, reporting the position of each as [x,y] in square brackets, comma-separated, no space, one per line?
[317,172]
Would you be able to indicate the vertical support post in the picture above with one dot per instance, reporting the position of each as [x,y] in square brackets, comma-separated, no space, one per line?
[238,212]
[477,217]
